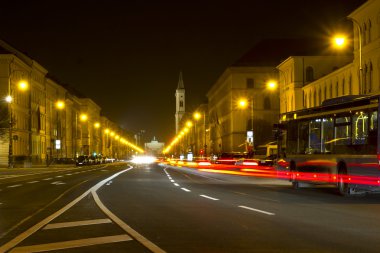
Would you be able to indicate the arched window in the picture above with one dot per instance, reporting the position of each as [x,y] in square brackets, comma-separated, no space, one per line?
[325,93]
[315,98]
[364,35]
[309,105]
[267,103]
[343,90]
[331,95]
[369,31]
[337,89]
[350,85]
[291,104]
[309,74]
[370,77]
[365,73]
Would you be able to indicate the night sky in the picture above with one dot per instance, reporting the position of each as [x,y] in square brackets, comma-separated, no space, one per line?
[127,55]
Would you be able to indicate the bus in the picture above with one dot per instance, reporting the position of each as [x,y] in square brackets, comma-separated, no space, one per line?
[335,144]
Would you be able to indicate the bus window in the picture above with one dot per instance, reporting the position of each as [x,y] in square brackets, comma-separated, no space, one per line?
[314,137]
[303,137]
[342,134]
[372,133]
[327,135]
[359,128]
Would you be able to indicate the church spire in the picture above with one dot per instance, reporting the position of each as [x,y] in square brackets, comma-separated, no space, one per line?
[180,82]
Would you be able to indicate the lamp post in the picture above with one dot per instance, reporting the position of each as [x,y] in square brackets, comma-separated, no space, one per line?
[59,105]
[83,118]
[22,86]
[360,55]
[340,42]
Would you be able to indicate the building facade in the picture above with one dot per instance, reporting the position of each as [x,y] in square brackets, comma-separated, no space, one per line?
[42,121]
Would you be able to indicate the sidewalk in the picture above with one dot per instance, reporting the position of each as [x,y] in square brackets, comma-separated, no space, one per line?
[17,170]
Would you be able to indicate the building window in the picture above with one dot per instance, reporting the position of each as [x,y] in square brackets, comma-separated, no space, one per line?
[319,96]
[181,103]
[315,98]
[365,73]
[250,83]
[325,93]
[267,103]
[337,89]
[370,76]
[309,74]
[369,30]
[350,85]
[343,91]
[331,95]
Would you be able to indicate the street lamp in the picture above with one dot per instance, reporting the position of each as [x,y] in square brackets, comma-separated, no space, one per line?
[22,86]
[197,116]
[339,41]
[59,105]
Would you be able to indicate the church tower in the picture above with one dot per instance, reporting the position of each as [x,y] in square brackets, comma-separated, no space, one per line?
[179,102]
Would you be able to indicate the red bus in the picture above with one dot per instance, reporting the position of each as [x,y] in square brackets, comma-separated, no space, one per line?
[337,143]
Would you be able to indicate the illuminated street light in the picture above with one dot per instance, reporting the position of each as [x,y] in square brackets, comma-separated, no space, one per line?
[83,117]
[189,123]
[271,85]
[339,41]
[197,115]
[107,131]
[243,103]
[22,85]
[96,124]
[60,104]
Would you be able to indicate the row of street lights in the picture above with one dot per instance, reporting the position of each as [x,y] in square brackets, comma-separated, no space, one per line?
[23,85]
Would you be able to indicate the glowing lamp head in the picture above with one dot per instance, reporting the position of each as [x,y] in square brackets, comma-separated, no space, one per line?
[197,115]
[96,124]
[271,85]
[60,104]
[107,131]
[83,117]
[243,103]
[112,134]
[189,123]
[8,99]
[23,85]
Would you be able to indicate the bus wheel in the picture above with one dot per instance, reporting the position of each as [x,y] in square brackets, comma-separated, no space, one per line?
[293,172]
[343,186]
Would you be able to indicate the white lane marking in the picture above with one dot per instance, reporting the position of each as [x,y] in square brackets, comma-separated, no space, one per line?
[33,182]
[76,223]
[58,182]
[68,174]
[110,182]
[172,181]
[14,186]
[18,239]
[257,210]
[72,244]
[186,190]
[176,184]
[59,176]
[208,197]
[150,245]
[47,179]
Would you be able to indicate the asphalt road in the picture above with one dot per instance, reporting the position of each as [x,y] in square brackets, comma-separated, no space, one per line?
[117,208]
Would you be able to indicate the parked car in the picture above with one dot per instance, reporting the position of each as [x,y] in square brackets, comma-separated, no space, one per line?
[82,160]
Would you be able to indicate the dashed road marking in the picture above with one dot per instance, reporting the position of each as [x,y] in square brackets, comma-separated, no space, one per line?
[185,189]
[257,210]
[208,197]
[33,182]
[176,184]
[14,186]
[58,182]
[47,179]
